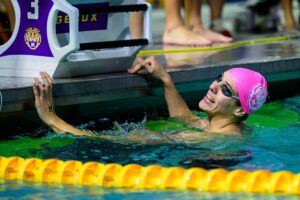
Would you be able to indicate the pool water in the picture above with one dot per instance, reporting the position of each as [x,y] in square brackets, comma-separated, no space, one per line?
[272,143]
[35,191]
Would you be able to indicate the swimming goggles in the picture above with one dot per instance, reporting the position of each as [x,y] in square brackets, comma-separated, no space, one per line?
[225,90]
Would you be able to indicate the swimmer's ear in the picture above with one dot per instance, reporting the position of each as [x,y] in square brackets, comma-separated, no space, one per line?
[239,112]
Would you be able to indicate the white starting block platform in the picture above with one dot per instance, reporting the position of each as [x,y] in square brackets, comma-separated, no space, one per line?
[72,38]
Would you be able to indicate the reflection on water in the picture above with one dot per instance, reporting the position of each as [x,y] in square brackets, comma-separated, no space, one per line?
[175,60]
[22,191]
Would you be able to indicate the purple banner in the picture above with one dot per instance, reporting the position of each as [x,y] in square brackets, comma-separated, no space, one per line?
[32,36]
[87,22]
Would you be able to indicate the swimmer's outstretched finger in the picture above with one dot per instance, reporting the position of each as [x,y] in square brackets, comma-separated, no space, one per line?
[135,68]
[46,83]
[49,79]
[138,60]
[40,86]
[36,92]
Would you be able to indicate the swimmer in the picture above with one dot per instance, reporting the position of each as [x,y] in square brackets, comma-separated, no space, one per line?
[234,95]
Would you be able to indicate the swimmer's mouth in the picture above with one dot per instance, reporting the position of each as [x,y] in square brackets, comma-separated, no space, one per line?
[209,98]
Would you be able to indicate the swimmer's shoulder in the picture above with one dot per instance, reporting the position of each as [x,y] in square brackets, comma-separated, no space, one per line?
[201,124]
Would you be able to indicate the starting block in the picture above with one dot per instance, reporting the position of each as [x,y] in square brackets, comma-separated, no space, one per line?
[72,38]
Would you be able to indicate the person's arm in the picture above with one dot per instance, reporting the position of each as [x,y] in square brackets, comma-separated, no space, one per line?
[45,107]
[176,105]
[178,108]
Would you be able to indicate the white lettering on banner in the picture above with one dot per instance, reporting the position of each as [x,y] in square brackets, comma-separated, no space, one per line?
[35,14]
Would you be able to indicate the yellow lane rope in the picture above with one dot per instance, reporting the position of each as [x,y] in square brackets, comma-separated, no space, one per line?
[149,177]
[220,47]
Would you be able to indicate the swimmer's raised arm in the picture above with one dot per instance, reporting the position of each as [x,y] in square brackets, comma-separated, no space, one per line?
[45,107]
[176,105]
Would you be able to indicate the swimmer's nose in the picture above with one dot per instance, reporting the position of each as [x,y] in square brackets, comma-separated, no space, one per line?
[214,87]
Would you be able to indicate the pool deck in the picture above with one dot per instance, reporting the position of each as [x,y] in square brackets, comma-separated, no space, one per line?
[278,61]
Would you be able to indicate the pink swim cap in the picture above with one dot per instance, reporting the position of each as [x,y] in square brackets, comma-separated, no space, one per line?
[251,88]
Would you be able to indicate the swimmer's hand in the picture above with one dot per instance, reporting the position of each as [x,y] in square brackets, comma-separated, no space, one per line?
[44,99]
[176,105]
[152,66]
[45,108]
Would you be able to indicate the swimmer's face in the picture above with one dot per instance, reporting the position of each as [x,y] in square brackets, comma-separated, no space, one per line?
[221,97]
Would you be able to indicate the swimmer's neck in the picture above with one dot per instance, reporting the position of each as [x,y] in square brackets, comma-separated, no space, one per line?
[224,125]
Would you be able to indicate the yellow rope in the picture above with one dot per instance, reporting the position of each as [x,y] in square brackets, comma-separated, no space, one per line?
[150,177]
[214,48]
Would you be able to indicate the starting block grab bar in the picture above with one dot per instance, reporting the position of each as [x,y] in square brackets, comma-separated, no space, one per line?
[72,39]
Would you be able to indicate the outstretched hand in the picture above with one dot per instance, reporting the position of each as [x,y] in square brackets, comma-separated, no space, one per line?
[45,107]
[152,66]
[43,98]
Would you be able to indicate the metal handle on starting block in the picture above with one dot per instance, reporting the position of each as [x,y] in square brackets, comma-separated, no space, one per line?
[73,13]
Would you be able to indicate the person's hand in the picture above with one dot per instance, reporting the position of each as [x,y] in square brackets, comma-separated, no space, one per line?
[43,98]
[152,66]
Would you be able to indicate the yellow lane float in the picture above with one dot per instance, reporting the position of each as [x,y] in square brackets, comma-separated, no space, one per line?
[150,177]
